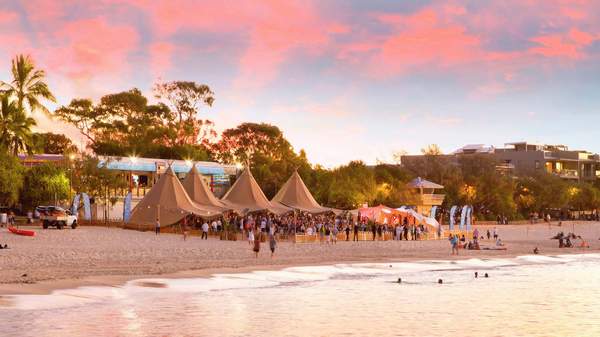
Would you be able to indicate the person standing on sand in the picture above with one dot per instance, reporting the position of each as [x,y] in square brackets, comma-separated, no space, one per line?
[454,243]
[355,238]
[157,227]
[256,247]
[495,234]
[488,234]
[272,244]
[204,231]
[334,234]
[347,232]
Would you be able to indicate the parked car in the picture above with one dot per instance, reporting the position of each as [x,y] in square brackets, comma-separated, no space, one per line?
[54,216]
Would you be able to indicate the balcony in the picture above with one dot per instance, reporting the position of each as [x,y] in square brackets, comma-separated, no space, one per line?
[567,174]
[431,199]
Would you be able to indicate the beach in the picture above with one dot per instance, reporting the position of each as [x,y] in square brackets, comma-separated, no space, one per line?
[55,259]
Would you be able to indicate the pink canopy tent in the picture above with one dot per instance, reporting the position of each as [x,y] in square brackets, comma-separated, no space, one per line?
[384,214]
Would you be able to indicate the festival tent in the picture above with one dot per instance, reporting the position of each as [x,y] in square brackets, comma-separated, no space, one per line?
[246,196]
[169,202]
[199,192]
[419,218]
[380,214]
[295,194]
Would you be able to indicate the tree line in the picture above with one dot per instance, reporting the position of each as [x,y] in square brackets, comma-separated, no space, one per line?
[171,126]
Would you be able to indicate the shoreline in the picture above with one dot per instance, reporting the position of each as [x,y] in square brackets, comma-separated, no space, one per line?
[47,287]
[98,256]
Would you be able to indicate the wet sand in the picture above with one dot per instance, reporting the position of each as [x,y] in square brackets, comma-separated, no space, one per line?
[87,256]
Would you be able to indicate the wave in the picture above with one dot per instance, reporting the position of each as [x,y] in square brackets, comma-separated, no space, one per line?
[419,271]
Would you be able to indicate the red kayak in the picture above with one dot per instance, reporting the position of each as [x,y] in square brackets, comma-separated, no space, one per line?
[21,231]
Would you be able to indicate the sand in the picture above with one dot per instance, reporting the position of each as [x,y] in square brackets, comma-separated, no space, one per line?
[56,259]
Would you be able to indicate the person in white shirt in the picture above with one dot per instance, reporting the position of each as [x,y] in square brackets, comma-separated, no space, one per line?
[204,231]
[263,225]
[250,237]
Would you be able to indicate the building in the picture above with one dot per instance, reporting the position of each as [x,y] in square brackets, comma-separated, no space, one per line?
[526,157]
[142,173]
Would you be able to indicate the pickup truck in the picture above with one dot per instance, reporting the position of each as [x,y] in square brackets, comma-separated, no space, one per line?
[54,216]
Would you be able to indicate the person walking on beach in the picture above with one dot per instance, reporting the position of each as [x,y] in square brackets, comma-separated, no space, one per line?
[355,232]
[334,234]
[454,244]
[347,232]
[488,234]
[250,236]
[256,247]
[495,234]
[157,227]
[204,231]
[272,244]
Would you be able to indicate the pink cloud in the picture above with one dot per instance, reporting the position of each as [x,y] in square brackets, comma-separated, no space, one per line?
[89,49]
[160,58]
[566,45]
[271,28]
[423,39]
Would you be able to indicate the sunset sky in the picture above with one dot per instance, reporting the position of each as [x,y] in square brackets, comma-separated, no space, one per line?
[343,79]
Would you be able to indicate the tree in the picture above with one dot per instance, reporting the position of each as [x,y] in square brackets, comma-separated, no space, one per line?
[352,186]
[15,127]
[92,176]
[583,197]
[53,143]
[392,187]
[28,85]
[11,179]
[540,191]
[264,148]
[44,184]
[432,150]
[241,144]
[184,100]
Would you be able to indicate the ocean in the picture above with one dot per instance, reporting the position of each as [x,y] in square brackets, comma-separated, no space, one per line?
[523,296]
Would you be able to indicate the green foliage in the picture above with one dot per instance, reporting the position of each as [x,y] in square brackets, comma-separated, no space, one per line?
[184,100]
[96,180]
[124,124]
[262,146]
[53,143]
[15,127]
[11,179]
[44,184]
[351,186]
[28,85]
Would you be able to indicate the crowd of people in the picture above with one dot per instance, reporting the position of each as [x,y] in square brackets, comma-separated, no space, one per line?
[567,241]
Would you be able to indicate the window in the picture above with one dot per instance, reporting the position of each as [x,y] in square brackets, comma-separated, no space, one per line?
[537,164]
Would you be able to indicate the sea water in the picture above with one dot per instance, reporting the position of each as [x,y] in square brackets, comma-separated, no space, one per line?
[524,296]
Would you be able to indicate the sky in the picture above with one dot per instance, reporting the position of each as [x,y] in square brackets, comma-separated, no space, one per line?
[343,79]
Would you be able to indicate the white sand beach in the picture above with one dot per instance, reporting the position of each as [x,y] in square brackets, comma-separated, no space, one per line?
[97,255]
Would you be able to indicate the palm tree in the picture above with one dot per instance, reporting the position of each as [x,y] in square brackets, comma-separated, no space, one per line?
[15,127]
[28,85]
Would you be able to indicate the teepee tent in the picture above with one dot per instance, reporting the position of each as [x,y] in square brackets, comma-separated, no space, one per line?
[246,196]
[199,192]
[167,201]
[295,194]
